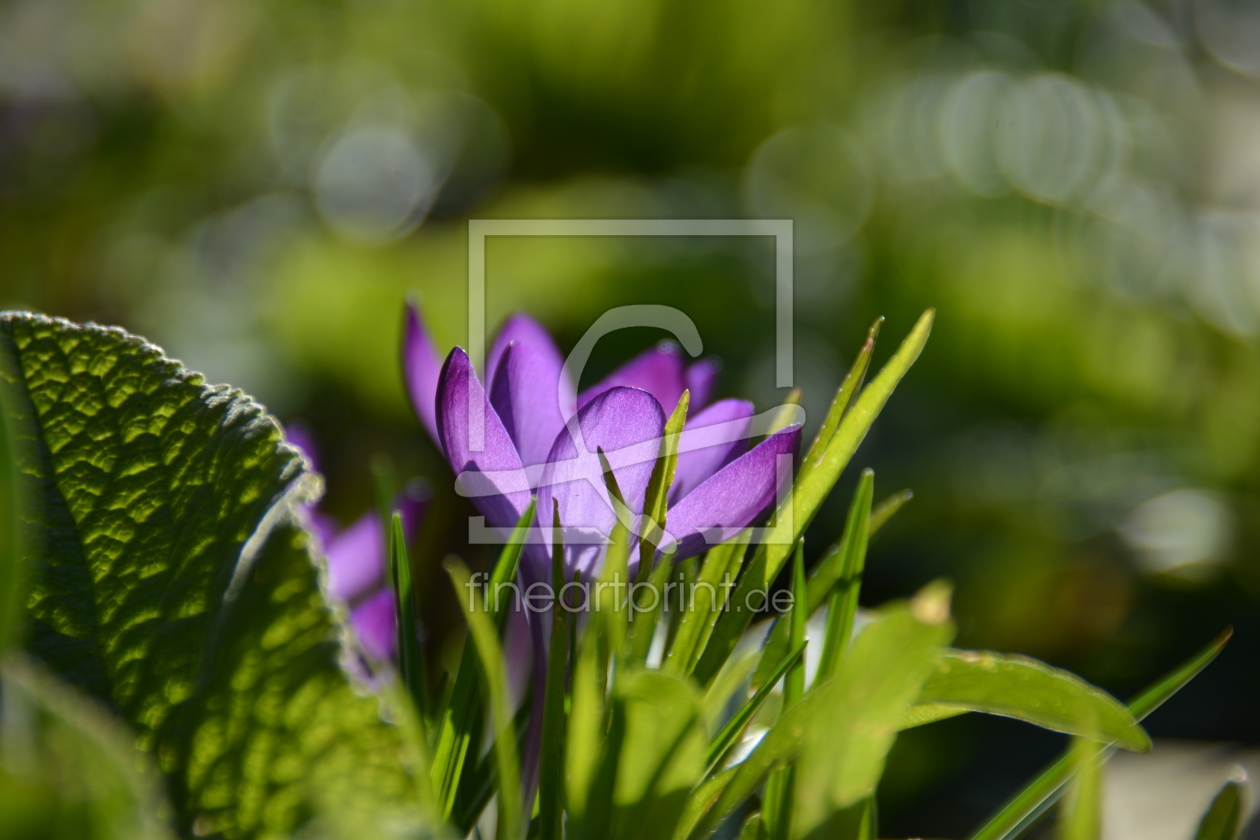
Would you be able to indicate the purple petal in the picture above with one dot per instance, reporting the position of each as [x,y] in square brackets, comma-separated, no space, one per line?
[522,329]
[356,558]
[658,371]
[420,369]
[626,424]
[530,392]
[324,526]
[492,476]
[734,497]
[299,436]
[710,440]
[376,625]
[702,379]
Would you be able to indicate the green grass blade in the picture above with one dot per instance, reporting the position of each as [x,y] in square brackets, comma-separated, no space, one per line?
[886,509]
[612,601]
[551,761]
[776,805]
[485,638]
[656,500]
[813,484]
[844,396]
[1027,806]
[828,573]
[1082,806]
[410,657]
[844,598]
[1025,689]
[787,413]
[1221,820]
[463,716]
[720,569]
[729,734]
[645,618]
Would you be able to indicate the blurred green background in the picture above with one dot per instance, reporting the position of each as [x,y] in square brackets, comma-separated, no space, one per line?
[1074,185]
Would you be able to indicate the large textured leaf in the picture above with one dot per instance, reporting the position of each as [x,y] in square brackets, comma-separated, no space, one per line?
[67,769]
[170,579]
[1032,691]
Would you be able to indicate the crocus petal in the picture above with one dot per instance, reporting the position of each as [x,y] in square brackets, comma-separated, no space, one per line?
[658,371]
[627,425]
[526,393]
[732,498]
[522,329]
[299,436]
[492,476]
[702,379]
[356,556]
[376,625]
[710,440]
[421,369]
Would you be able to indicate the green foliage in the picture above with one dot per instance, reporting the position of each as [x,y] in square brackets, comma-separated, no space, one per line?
[68,768]
[171,581]
[1222,818]
[1031,803]
[1028,690]
[843,430]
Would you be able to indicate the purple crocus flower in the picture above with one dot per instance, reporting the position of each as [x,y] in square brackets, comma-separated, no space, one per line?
[539,437]
[358,574]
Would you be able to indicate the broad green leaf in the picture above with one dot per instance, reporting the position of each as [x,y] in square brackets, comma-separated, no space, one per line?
[1026,807]
[661,756]
[462,720]
[170,579]
[1220,821]
[1023,688]
[12,573]
[844,750]
[818,475]
[1082,806]
[68,768]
